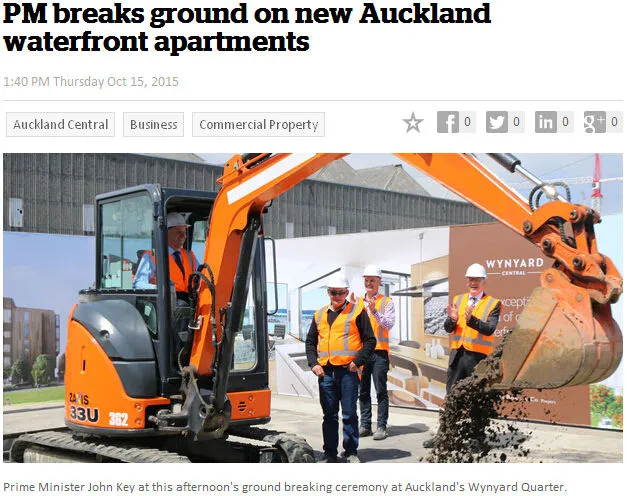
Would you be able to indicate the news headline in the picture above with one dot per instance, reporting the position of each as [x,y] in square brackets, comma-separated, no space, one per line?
[218,41]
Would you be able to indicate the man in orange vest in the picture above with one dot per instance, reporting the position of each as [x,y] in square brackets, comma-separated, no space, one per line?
[382,317]
[471,321]
[339,341]
[182,262]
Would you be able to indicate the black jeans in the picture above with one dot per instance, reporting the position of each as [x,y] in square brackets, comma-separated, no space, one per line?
[463,366]
[375,370]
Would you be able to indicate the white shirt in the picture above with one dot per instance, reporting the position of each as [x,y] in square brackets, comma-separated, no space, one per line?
[387,319]
[473,300]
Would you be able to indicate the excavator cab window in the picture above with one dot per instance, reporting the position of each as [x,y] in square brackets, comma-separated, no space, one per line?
[126,231]
[199,235]
[246,356]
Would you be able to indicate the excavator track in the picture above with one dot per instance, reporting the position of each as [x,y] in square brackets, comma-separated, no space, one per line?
[293,448]
[266,446]
[64,446]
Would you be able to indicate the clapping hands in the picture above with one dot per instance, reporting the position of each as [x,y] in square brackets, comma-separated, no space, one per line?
[370,301]
[453,312]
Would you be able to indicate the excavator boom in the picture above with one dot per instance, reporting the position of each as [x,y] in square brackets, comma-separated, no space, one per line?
[566,334]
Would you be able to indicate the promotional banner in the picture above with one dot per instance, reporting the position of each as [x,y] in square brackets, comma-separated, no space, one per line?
[514,266]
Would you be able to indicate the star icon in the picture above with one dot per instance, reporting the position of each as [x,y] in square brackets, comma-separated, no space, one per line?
[412,123]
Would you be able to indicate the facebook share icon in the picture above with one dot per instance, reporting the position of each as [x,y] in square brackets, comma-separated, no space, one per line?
[448,122]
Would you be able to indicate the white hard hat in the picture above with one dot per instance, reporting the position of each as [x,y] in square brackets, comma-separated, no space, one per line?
[372,270]
[337,280]
[476,270]
[175,219]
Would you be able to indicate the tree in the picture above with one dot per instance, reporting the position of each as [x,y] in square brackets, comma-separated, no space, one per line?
[616,412]
[604,403]
[601,397]
[61,367]
[43,370]
[20,372]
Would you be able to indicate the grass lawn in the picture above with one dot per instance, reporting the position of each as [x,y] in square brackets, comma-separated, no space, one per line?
[41,395]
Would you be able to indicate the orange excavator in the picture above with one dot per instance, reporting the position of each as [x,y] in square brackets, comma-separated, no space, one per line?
[156,375]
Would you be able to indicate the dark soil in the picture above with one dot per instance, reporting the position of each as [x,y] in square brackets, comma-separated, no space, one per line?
[467,432]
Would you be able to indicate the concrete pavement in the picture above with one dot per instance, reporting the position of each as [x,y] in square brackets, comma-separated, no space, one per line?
[408,429]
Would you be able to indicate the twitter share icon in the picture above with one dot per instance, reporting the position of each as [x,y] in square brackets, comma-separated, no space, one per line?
[496,121]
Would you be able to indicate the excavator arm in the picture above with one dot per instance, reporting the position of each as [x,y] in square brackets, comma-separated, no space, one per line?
[565,336]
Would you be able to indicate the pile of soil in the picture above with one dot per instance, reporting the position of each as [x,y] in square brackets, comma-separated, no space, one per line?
[467,432]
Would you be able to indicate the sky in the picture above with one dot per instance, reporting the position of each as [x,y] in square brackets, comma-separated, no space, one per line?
[47,271]
[569,166]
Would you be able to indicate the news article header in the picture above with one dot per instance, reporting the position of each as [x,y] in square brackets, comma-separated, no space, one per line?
[230,15]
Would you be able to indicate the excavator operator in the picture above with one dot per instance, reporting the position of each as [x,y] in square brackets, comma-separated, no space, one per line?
[182,262]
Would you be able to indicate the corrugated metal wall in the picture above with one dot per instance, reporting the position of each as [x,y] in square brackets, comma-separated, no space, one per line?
[54,187]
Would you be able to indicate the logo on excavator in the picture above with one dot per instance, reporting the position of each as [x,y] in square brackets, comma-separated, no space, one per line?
[83,414]
[78,398]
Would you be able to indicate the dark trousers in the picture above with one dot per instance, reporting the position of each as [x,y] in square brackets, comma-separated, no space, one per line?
[462,366]
[375,370]
[339,387]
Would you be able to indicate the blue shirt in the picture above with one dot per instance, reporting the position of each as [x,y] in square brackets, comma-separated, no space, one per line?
[147,270]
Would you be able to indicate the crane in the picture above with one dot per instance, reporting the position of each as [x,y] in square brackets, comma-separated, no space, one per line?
[597,196]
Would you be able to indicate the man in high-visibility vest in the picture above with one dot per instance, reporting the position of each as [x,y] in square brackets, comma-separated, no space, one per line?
[382,316]
[182,262]
[339,341]
[471,320]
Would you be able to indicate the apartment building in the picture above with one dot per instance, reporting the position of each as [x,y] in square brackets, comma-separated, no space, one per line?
[28,333]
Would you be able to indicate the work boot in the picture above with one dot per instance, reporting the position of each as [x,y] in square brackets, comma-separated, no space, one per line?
[429,443]
[381,434]
[352,459]
[365,431]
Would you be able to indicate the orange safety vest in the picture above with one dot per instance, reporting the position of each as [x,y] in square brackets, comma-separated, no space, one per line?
[339,343]
[381,333]
[468,337]
[179,279]
[176,276]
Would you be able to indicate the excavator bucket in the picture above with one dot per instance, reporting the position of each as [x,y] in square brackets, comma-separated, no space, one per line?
[563,338]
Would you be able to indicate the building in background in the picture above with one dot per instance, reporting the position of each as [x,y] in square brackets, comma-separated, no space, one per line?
[53,193]
[28,333]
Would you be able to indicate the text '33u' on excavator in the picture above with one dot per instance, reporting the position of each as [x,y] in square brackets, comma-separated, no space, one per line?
[171,374]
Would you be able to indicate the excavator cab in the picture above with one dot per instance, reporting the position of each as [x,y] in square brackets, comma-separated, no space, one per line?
[130,335]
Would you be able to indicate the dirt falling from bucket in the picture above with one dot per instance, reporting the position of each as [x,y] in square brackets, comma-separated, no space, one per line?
[467,431]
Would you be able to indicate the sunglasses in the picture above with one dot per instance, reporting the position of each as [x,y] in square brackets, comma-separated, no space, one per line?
[337,292]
